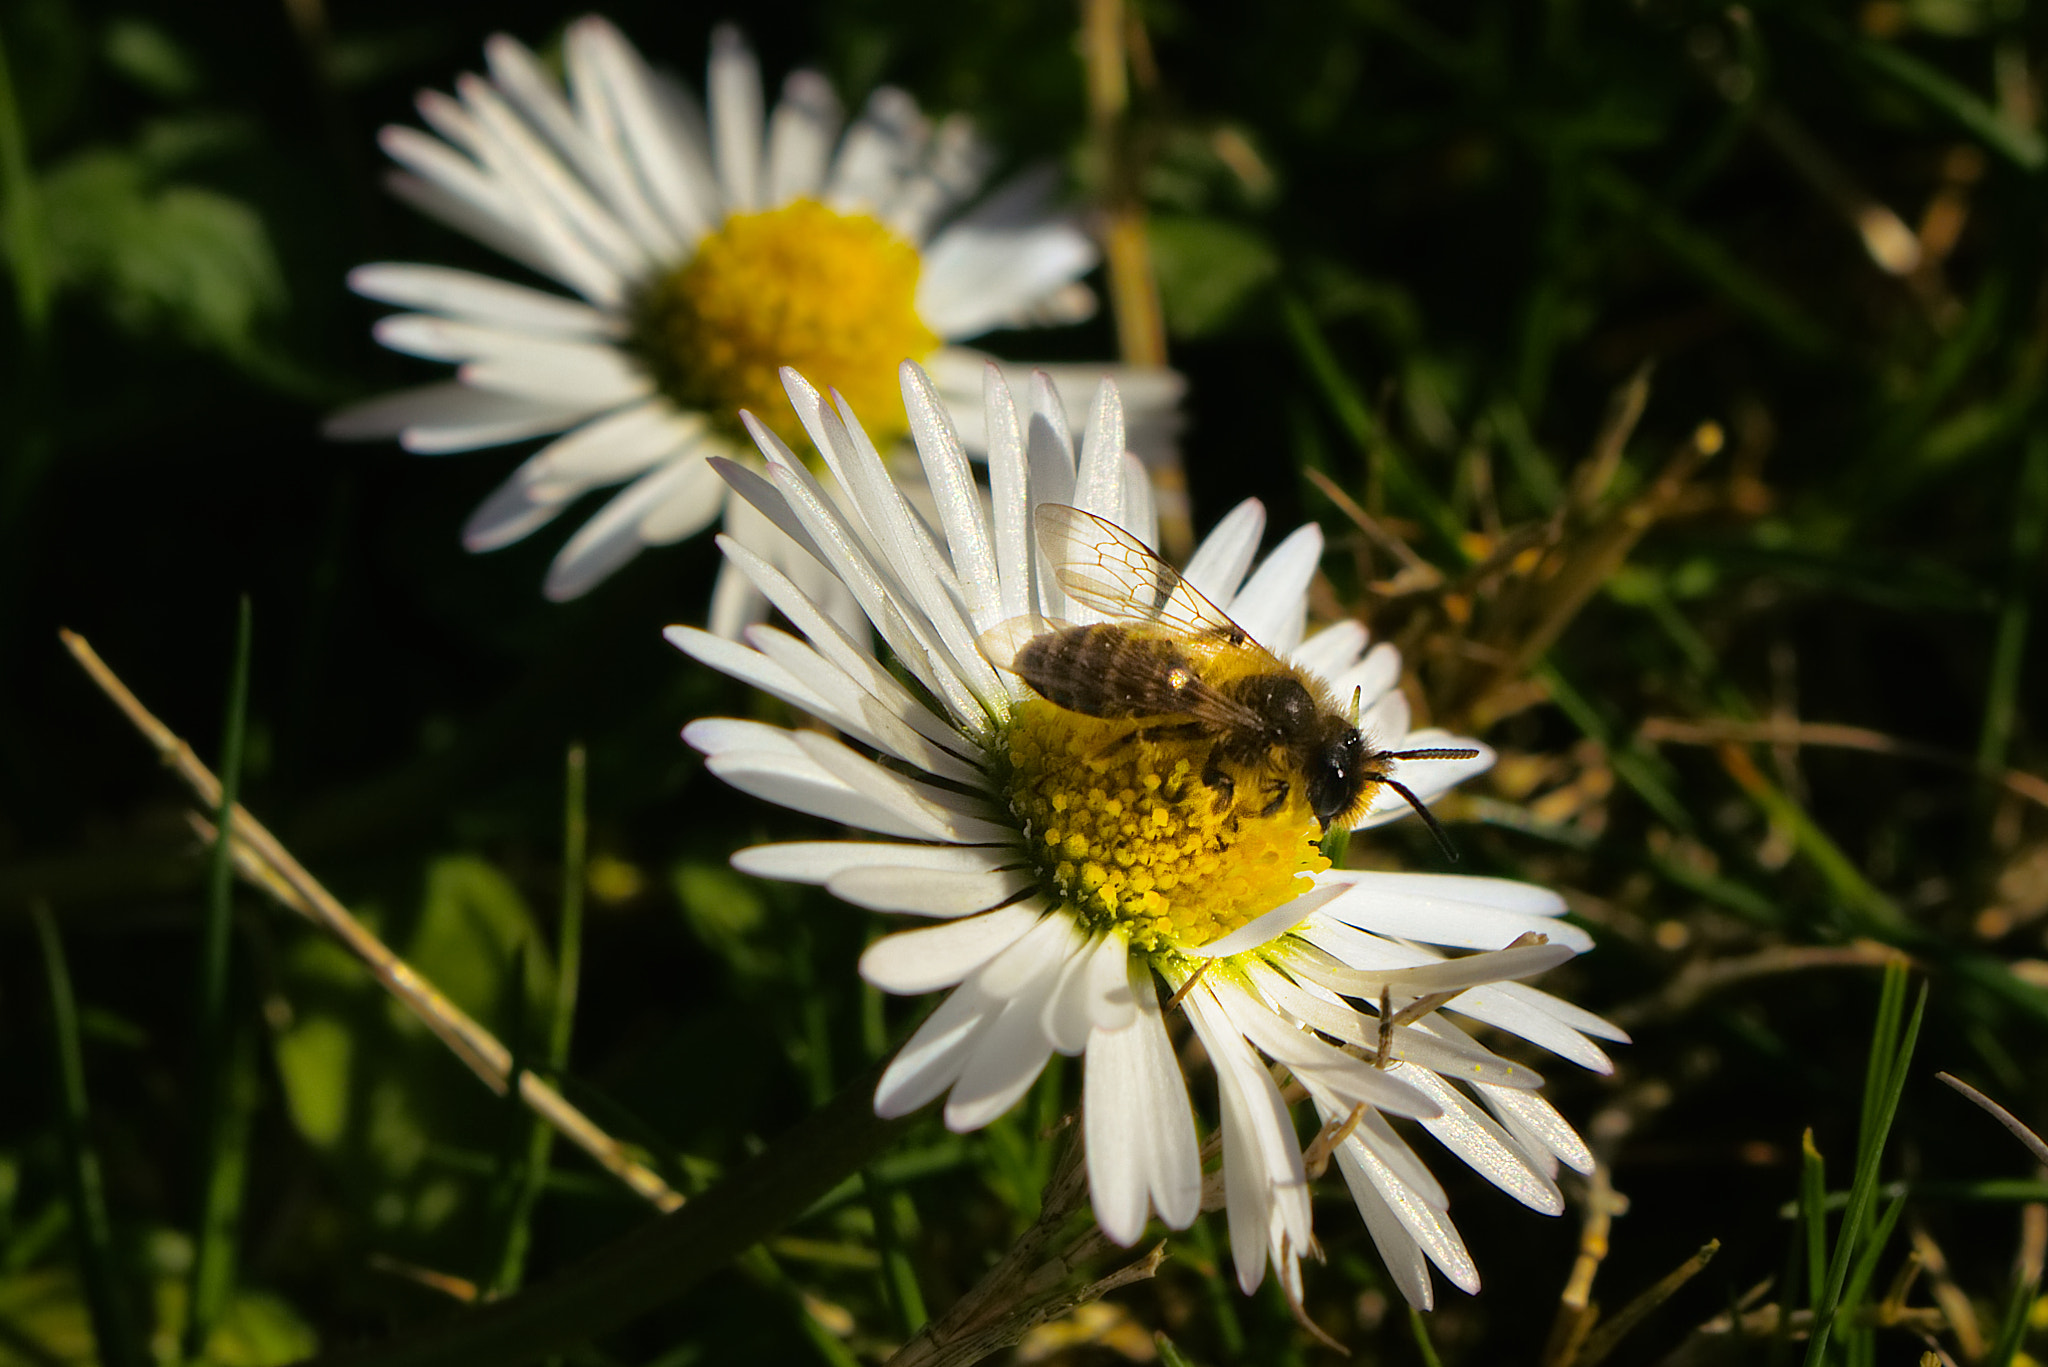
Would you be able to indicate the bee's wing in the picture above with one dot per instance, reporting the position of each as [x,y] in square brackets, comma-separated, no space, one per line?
[1001,642]
[1103,566]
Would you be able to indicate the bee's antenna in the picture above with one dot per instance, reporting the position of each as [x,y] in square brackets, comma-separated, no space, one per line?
[1436,827]
[1466,753]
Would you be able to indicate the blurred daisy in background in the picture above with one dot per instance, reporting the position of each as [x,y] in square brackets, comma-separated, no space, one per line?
[705,246]
[1087,883]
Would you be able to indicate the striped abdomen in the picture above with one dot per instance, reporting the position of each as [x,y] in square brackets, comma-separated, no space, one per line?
[1108,671]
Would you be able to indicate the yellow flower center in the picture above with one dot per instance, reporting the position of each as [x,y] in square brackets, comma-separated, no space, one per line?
[1122,826]
[834,295]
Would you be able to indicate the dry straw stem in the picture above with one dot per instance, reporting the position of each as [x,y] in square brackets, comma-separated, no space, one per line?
[1833,735]
[2001,1115]
[1702,977]
[1114,48]
[266,864]
[1483,631]
[1023,1290]
[1576,1310]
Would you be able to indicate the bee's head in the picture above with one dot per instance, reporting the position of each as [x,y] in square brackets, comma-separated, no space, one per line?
[1337,774]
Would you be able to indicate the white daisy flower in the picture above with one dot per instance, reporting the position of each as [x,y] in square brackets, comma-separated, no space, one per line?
[1081,868]
[705,246]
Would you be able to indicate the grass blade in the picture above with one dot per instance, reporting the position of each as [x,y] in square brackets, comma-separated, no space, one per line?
[106,1297]
[21,213]
[222,1061]
[540,1143]
[2030,517]
[1885,1088]
[1813,1217]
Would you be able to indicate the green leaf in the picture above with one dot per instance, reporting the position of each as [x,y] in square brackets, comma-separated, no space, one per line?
[472,923]
[1208,271]
[149,57]
[160,257]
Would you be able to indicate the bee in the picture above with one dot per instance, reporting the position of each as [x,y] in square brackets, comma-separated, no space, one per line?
[1175,661]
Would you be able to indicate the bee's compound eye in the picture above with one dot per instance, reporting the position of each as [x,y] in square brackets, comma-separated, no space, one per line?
[1336,777]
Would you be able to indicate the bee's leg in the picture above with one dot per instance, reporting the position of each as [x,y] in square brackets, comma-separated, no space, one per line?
[1213,775]
[1179,731]
[1280,789]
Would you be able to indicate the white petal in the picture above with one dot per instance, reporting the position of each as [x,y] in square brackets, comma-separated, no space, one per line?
[902,542]
[734,87]
[565,373]
[662,506]
[932,1058]
[955,161]
[1113,996]
[1488,1149]
[1141,509]
[1264,1181]
[1099,478]
[940,815]
[951,480]
[1139,1128]
[481,299]
[512,512]
[800,134]
[1049,946]
[1372,676]
[1430,1228]
[820,861]
[663,150]
[1533,1118]
[449,417]
[1386,722]
[876,153]
[1266,927]
[850,656]
[1065,1014]
[1333,651]
[990,266]
[597,158]
[1003,1065]
[922,892]
[1494,1005]
[1449,909]
[1351,1079]
[620,445]
[1009,497]
[769,764]
[1219,564]
[1272,607]
[1577,1017]
[1405,1262]
[913,961]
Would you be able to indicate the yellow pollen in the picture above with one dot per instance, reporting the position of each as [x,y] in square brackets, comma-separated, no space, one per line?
[1125,831]
[832,294]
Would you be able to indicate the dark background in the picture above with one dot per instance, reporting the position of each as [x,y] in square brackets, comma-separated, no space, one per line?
[1491,213]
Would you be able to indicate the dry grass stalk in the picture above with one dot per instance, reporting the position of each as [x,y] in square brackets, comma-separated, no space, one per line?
[266,864]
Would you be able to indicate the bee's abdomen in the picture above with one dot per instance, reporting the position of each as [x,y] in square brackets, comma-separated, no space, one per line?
[1107,671]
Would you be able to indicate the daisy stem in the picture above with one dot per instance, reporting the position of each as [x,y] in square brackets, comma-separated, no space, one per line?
[540,1141]
[1419,1328]
[224,1090]
[106,1295]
